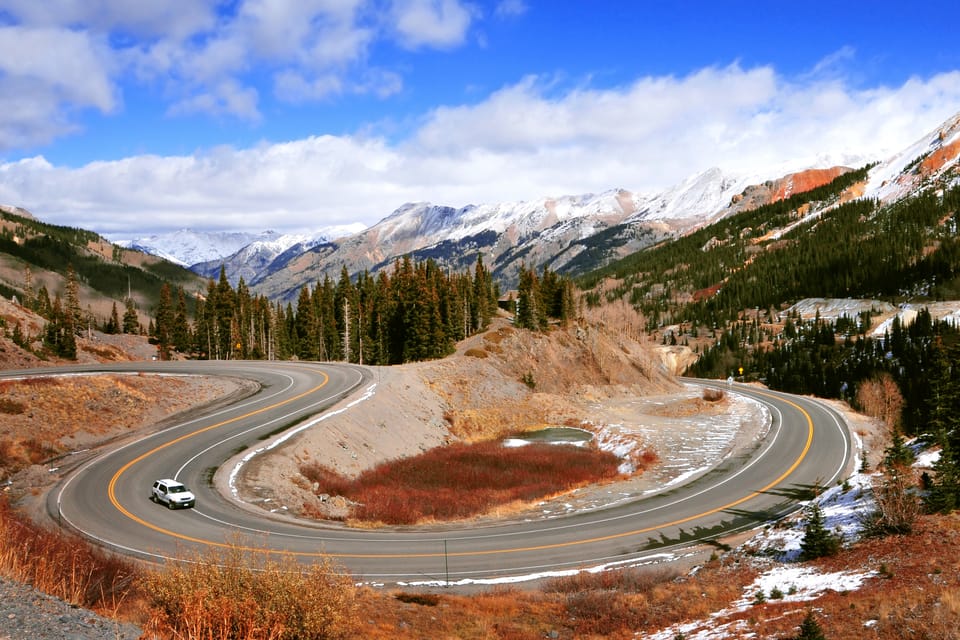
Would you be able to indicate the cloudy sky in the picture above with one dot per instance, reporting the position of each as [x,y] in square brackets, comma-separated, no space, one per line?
[131,117]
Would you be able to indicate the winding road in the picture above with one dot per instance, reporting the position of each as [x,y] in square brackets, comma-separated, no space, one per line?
[106,498]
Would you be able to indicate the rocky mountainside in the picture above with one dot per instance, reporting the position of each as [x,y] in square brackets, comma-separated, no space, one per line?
[570,234]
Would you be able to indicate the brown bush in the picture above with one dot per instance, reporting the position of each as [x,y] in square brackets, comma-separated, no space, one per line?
[11,407]
[475,353]
[464,480]
[62,565]
[881,399]
[242,593]
[713,395]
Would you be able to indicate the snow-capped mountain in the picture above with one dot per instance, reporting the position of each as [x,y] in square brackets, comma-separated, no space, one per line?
[243,255]
[934,157]
[570,234]
[187,247]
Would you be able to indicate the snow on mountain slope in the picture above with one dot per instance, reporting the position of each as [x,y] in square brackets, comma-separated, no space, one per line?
[697,198]
[418,224]
[188,247]
[693,201]
[574,231]
[931,156]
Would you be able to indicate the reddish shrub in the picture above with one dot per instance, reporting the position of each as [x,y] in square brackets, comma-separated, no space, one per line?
[463,480]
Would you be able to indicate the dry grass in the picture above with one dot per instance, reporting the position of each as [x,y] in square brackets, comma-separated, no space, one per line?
[916,598]
[233,594]
[463,480]
[62,565]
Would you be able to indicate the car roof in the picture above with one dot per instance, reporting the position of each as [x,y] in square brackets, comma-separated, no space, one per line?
[169,481]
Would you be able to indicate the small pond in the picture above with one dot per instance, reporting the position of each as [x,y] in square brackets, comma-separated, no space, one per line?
[551,435]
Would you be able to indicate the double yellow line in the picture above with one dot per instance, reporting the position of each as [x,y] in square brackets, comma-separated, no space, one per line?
[111,488]
[613,536]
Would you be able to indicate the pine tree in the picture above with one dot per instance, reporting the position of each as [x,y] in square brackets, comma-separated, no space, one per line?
[810,629]
[180,332]
[18,337]
[898,455]
[131,321]
[73,309]
[528,300]
[28,297]
[113,324]
[818,541]
[163,328]
[944,494]
[223,311]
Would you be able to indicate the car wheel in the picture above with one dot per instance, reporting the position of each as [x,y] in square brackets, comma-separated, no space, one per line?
[153,498]
[171,506]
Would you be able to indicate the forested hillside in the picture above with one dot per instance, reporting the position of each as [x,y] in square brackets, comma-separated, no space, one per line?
[725,291]
[416,311]
[78,281]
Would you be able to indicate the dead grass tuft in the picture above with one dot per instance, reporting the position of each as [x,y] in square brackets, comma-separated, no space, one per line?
[237,594]
[62,565]
[713,395]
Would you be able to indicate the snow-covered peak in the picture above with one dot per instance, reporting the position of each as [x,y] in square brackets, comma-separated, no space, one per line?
[901,174]
[188,247]
[434,223]
[699,196]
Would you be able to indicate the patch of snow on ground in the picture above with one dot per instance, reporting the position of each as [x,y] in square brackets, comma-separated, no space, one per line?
[780,584]
[842,507]
[927,459]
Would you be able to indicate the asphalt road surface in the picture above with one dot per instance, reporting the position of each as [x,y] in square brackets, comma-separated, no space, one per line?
[107,498]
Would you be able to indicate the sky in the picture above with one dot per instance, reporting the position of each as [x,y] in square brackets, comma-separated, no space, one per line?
[131,118]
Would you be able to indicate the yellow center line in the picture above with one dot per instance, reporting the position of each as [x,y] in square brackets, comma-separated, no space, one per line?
[111,489]
[556,545]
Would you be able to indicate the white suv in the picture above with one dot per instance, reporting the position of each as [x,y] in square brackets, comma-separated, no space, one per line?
[172,493]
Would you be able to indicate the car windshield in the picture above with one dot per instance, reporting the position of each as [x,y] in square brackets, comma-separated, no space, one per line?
[177,489]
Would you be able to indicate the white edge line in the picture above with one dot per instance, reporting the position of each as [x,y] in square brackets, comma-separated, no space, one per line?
[234,473]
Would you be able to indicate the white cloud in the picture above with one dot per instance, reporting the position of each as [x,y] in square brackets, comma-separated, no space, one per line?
[431,23]
[167,18]
[525,141]
[224,98]
[203,56]
[71,65]
[510,8]
[45,74]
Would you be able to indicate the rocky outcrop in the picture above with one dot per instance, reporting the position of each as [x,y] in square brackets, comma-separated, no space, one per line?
[804,181]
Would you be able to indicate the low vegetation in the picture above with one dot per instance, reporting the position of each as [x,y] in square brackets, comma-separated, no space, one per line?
[224,595]
[237,594]
[464,480]
[63,565]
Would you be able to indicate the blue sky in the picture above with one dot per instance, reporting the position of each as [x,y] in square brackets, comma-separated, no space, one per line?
[131,118]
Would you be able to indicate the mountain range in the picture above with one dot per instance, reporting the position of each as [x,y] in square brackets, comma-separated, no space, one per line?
[569,234]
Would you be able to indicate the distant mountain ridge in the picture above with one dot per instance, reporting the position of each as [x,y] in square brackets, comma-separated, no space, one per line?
[187,247]
[571,234]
